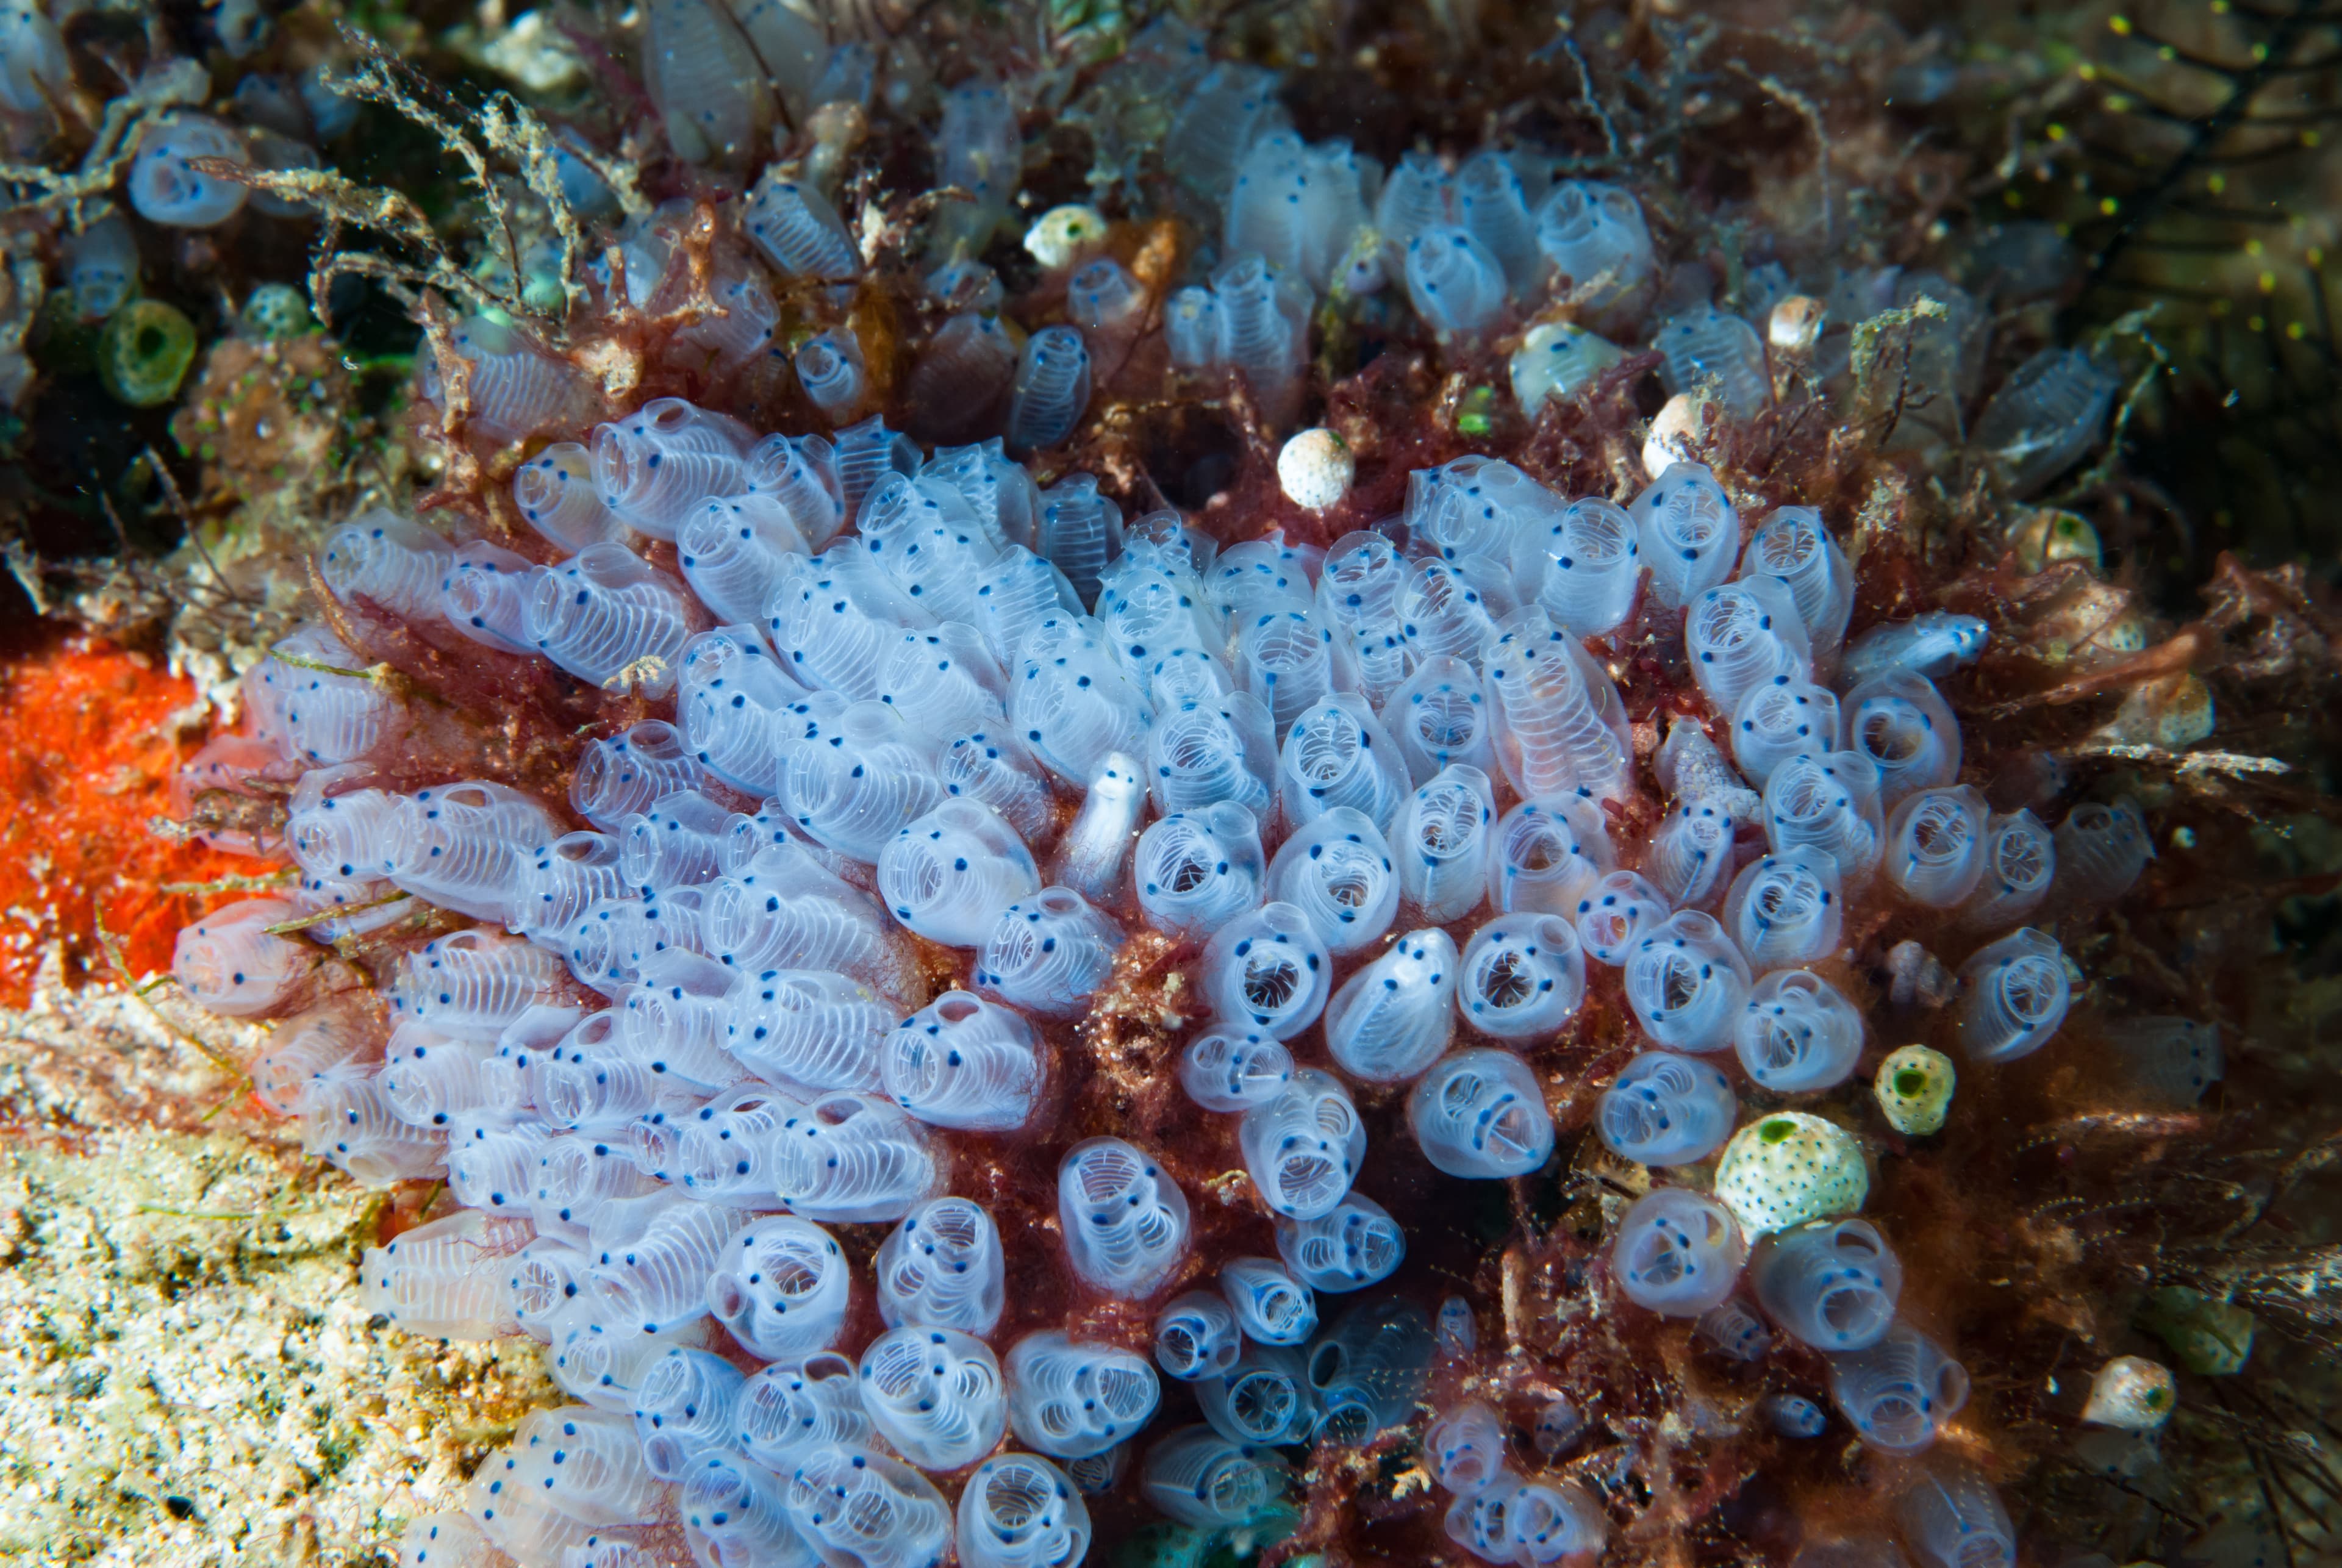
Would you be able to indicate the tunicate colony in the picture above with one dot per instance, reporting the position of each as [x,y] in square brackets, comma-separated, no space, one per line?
[921,704]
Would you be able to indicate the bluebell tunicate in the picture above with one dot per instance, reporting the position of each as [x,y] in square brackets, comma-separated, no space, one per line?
[1197,1336]
[1466,1449]
[1616,913]
[1594,236]
[1828,801]
[1439,717]
[936,1394]
[1481,1113]
[1902,723]
[802,1027]
[1443,837]
[1303,1145]
[794,223]
[865,1507]
[1337,871]
[1785,909]
[800,1406]
[1268,970]
[1898,1391]
[1779,719]
[554,493]
[1666,1109]
[444,1279]
[802,474]
[943,1268]
[1744,636]
[482,596]
[1935,849]
[1021,1512]
[1592,562]
[948,875]
[229,962]
[1071,1399]
[1678,1251]
[390,562]
[1392,1019]
[469,984]
[1195,870]
[964,1062]
[1558,723]
[1355,1244]
[829,367]
[1798,1033]
[1263,1396]
[1070,702]
[1546,854]
[1521,976]
[2014,994]
[1686,982]
[1226,1069]
[1952,1518]
[1794,548]
[2174,1059]
[611,620]
[1123,1218]
[1051,389]
[2101,850]
[1690,533]
[851,1158]
[1832,1285]
[1706,347]
[1456,284]
[678,843]
[730,548]
[1199,1477]
[1048,954]
[1271,1306]
[2019,858]
[1203,752]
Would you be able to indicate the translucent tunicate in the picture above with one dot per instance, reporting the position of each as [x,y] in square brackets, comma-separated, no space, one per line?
[609,619]
[857,1507]
[1832,1285]
[936,1394]
[1798,1033]
[1048,954]
[1679,1253]
[1337,871]
[1051,389]
[1785,909]
[2174,1059]
[1264,1396]
[1558,723]
[1070,702]
[1689,532]
[511,388]
[1443,837]
[1356,1244]
[2045,415]
[1794,548]
[1125,1220]
[1595,236]
[554,493]
[1439,717]
[1828,801]
[1935,847]
[1899,1390]
[1666,1110]
[1522,976]
[1268,970]
[1616,913]
[1456,284]
[943,1268]
[1480,1114]
[1557,359]
[799,1406]
[389,562]
[802,1027]
[1466,1448]
[948,875]
[2015,995]
[483,595]
[1197,1336]
[229,962]
[1592,563]
[829,367]
[1393,1019]
[2019,860]
[1708,348]
[1303,1145]
[1021,1512]
[2100,852]
[730,550]
[1778,720]
[1952,1518]
[1744,636]
[1546,854]
[1071,1399]
[1902,723]
[963,1062]
[1195,870]
[165,189]
[704,80]
[851,1158]
[1199,1477]
[794,223]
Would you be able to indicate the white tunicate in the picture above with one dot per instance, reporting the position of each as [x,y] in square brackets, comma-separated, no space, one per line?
[794,224]
[1744,636]
[1794,548]
[1666,1109]
[1690,533]
[1546,854]
[963,1062]
[948,875]
[943,1268]
[1391,1020]
[1095,848]
[2020,859]
[1899,1390]
[1480,1114]
[1268,970]
[1439,717]
[1456,284]
[2048,413]
[1303,1145]
[1595,238]
[936,1394]
[1798,1033]
[1072,1399]
[1356,1244]
[1521,976]
[1197,1336]
[164,189]
[1195,870]
[1828,801]
[2100,852]
[2015,993]
[1226,1069]
[1935,845]
[1443,840]
[1557,360]
[1123,1219]
[782,1287]
[1679,1253]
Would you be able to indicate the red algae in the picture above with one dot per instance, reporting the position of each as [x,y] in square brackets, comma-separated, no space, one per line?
[90,736]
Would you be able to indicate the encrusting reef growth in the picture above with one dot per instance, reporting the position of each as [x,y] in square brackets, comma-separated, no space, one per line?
[1286,786]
